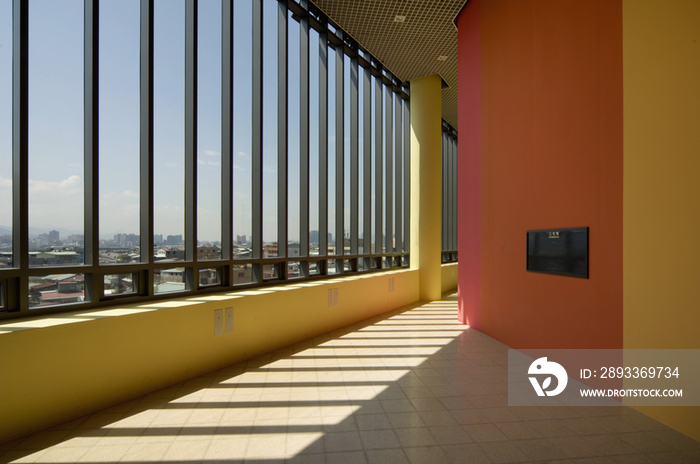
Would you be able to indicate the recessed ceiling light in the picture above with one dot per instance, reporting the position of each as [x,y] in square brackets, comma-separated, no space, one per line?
[442,58]
[399,18]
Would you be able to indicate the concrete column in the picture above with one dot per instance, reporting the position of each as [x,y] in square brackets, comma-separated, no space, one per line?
[426,179]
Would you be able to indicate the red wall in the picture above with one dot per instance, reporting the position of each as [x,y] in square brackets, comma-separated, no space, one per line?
[548,154]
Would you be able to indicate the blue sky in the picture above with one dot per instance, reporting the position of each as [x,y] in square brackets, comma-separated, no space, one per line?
[56,118]
[5,113]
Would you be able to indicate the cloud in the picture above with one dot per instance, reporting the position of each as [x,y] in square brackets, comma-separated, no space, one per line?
[212,152]
[70,186]
[57,204]
[242,154]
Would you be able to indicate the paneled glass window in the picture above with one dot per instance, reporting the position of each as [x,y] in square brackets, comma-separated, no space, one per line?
[449,193]
[176,147]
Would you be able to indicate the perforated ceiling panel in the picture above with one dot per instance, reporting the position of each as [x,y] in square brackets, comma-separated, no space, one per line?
[412,38]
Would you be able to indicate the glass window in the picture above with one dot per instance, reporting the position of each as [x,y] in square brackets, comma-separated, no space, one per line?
[169,280]
[242,130]
[119,129]
[169,121]
[55,290]
[269,127]
[332,239]
[56,131]
[293,136]
[119,284]
[5,134]
[449,194]
[209,126]
[313,143]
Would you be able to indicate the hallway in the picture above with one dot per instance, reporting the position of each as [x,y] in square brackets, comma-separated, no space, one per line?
[410,386]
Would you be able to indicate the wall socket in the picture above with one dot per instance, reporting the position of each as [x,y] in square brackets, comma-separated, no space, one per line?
[332,297]
[392,284]
[218,322]
[229,320]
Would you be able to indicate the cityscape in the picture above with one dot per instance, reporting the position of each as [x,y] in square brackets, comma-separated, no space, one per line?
[51,250]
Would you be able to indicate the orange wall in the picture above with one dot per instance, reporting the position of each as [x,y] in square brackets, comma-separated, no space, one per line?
[550,156]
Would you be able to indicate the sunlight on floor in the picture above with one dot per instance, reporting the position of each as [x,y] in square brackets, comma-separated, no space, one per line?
[273,407]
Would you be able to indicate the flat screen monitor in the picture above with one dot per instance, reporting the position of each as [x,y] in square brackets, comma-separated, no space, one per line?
[558,251]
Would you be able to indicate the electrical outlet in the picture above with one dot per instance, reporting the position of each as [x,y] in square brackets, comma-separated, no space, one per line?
[229,320]
[335,297]
[330,298]
[218,322]
[392,284]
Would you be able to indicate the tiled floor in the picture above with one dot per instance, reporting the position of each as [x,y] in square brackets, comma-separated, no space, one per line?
[411,386]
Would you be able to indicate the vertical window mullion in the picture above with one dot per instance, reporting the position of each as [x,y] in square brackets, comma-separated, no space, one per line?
[304,137]
[191,282]
[367,164]
[339,154]
[20,150]
[282,175]
[93,282]
[226,135]
[256,183]
[389,171]
[146,145]
[354,155]
[323,144]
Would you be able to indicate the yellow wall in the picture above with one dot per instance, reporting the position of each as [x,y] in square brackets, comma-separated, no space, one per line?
[426,182]
[63,366]
[661,74]
[449,277]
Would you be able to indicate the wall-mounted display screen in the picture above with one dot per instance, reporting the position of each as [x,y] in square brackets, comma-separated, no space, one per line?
[558,251]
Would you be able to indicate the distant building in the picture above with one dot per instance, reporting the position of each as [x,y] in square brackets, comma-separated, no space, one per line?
[54,258]
[205,253]
[56,289]
[169,253]
[270,251]
[174,240]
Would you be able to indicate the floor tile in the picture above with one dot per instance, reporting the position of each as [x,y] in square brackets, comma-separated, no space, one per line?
[378,391]
[503,452]
[379,439]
